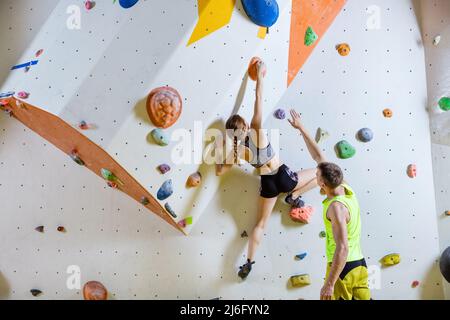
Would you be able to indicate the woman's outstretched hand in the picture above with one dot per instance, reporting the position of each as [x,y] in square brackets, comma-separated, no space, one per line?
[295,121]
[261,67]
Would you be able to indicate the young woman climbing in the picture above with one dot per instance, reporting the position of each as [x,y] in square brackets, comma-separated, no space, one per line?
[251,144]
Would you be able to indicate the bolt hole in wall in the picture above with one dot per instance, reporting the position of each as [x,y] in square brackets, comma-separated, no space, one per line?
[358,79]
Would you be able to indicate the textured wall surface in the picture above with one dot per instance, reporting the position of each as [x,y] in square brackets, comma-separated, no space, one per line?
[115,241]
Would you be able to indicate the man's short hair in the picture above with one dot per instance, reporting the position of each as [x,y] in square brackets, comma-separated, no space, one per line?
[331,174]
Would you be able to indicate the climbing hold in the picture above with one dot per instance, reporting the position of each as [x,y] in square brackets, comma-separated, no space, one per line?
[415,284]
[35,292]
[444,104]
[310,37]
[112,185]
[83,125]
[387,113]
[280,114]
[164,106]
[345,150]
[144,201]
[447,213]
[322,234]
[7,94]
[184,223]
[39,52]
[412,171]
[76,158]
[321,135]
[390,259]
[301,256]
[160,137]
[165,191]
[89,5]
[61,229]
[262,13]
[170,210]
[23,95]
[301,215]
[40,229]
[126,4]
[26,65]
[444,264]
[194,180]
[437,40]
[343,49]
[253,68]
[164,168]
[4,102]
[94,290]
[111,177]
[365,135]
[244,234]
[300,280]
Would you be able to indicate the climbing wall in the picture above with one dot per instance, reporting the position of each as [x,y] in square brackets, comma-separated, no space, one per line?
[436,22]
[103,73]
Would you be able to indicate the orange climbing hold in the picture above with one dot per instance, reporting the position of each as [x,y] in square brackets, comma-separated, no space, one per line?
[343,49]
[194,180]
[164,106]
[387,113]
[94,290]
[253,70]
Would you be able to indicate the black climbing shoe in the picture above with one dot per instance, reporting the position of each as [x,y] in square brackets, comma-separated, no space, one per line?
[295,203]
[245,269]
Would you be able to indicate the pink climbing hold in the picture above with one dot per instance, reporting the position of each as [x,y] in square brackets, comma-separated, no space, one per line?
[23,95]
[39,52]
[302,215]
[164,168]
[412,171]
[89,5]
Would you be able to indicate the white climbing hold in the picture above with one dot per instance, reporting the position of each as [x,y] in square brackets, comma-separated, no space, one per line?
[321,135]
[437,40]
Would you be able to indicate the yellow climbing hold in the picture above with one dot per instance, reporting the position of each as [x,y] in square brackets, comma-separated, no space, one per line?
[300,280]
[390,259]
[213,15]
[262,32]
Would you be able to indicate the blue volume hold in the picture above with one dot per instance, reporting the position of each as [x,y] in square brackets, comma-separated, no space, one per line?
[126,4]
[264,13]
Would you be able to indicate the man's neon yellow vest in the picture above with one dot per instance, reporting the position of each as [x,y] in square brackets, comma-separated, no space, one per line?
[353,227]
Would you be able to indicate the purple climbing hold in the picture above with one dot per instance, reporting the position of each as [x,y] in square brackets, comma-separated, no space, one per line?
[280,114]
[165,191]
[164,168]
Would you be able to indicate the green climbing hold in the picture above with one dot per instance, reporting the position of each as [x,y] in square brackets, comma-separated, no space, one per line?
[160,137]
[444,104]
[109,176]
[310,37]
[345,150]
[322,234]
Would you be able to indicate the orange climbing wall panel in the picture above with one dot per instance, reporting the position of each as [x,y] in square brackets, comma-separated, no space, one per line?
[319,14]
[67,139]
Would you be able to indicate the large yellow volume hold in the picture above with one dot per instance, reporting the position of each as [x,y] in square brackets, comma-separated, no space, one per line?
[300,280]
[390,259]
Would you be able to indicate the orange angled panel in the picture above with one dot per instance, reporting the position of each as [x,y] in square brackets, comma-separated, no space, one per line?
[318,14]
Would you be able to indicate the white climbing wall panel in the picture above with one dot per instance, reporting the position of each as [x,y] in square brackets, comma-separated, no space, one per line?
[113,240]
[436,21]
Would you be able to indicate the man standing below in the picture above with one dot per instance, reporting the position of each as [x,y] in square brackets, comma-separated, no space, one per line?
[347,275]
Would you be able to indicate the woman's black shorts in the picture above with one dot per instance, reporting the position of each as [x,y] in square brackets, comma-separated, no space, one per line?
[284,181]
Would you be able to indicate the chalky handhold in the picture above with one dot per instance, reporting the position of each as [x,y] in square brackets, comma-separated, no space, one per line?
[164,106]
[412,171]
[390,259]
[322,234]
[321,135]
[40,229]
[244,234]
[345,150]
[310,37]
[415,284]
[194,180]
[302,215]
[253,68]
[343,49]
[300,280]
[165,191]
[301,256]
[444,264]
[144,201]
[164,168]
[170,210]
[94,290]
[280,114]
[23,95]
[444,104]
[387,113]
[160,137]
[36,292]
[365,135]
[437,40]
[89,5]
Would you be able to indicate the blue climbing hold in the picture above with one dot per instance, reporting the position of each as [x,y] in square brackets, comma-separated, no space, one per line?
[365,135]
[126,4]
[264,13]
[165,191]
[301,256]
[7,94]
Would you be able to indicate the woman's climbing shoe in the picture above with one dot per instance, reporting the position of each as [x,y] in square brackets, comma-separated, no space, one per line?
[295,203]
[245,269]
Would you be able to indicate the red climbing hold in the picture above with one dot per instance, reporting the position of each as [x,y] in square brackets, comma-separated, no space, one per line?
[94,290]
[301,215]
[164,106]
[39,52]
[253,70]
[415,284]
